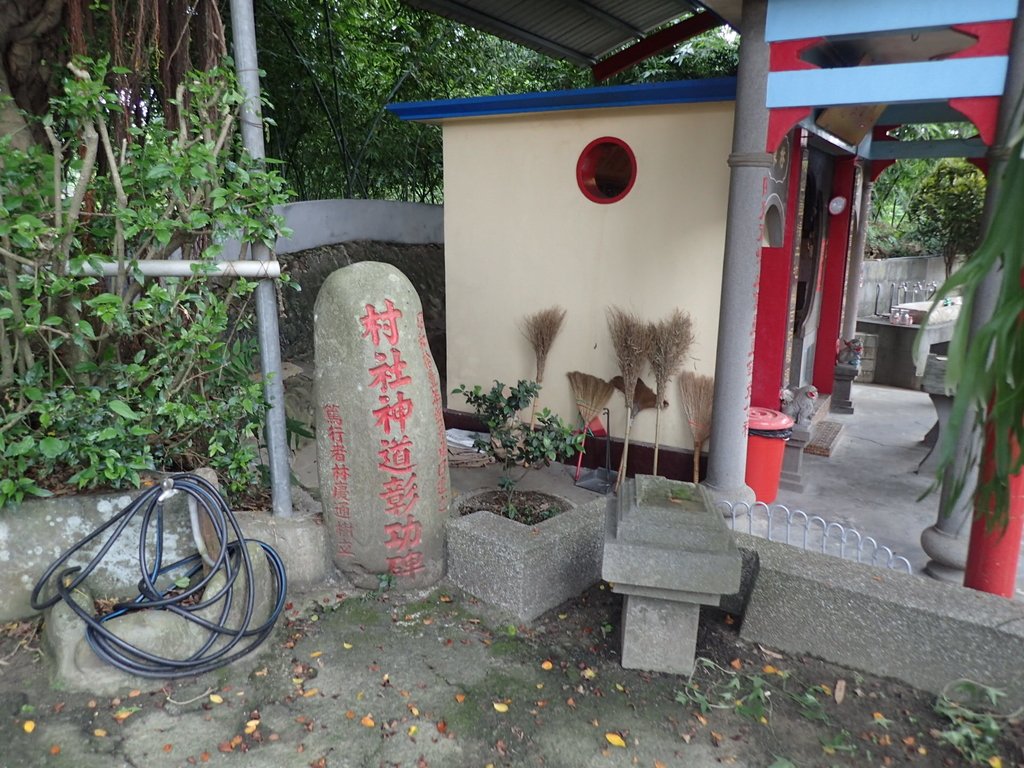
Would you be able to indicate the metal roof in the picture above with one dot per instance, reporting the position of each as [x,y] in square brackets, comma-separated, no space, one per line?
[581,31]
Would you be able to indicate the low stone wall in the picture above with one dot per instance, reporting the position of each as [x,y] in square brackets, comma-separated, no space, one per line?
[923,632]
[35,533]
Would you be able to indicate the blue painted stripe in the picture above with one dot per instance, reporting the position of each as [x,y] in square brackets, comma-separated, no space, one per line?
[888,83]
[797,19]
[677,92]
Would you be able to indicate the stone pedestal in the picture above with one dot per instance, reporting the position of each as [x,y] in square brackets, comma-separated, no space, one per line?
[842,377]
[791,477]
[669,551]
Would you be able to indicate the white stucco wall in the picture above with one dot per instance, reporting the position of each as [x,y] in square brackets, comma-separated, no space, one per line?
[520,236]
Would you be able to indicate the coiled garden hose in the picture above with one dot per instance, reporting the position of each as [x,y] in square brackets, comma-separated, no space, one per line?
[224,644]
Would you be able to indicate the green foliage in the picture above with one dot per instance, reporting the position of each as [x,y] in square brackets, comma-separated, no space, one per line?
[986,365]
[103,378]
[947,210]
[974,733]
[513,442]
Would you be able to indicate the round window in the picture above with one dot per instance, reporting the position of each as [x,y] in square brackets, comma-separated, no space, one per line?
[606,170]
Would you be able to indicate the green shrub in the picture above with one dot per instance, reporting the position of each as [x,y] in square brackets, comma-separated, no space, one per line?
[104,377]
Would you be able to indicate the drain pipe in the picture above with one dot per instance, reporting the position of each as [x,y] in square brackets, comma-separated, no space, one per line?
[243,32]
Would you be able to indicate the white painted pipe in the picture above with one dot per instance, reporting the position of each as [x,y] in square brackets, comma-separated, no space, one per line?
[183,268]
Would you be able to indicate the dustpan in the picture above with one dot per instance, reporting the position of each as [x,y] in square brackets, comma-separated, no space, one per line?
[600,479]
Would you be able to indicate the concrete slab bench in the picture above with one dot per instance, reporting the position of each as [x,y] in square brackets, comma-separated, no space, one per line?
[668,551]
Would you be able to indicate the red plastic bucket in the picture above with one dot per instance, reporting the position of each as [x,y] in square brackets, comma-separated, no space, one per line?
[767,433]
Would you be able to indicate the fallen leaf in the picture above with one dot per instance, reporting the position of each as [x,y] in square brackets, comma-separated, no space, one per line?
[316,654]
[563,616]
[235,741]
[311,692]
[225,746]
[700,718]
[588,674]
[500,706]
[261,672]
[367,721]
[840,692]
[909,741]
[204,757]
[55,749]
[827,690]
[251,726]
[995,761]
[717,738]
[615,739]
[659,764]
[216,698]
[736,664]
[414,711]
[460,697]
[768,669]
[347,646]
[412,730]
[134,693]
[124,713]
[546,665]
[99,733]
[729,619]
[350,714]
[595,722]
[445,598]
[570,702]
[442,727]
[168,747]
[619,687]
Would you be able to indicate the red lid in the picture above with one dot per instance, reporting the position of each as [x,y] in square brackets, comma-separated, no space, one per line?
[766,418]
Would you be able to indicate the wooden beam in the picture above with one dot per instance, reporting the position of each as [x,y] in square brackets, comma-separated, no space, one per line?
[656,43]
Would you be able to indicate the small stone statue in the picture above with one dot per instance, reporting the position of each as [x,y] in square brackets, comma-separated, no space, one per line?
[799,403]
[850,352]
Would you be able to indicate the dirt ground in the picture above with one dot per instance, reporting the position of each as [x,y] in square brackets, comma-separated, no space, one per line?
[438,680]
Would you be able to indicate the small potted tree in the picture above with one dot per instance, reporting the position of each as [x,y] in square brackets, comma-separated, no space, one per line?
[524,560]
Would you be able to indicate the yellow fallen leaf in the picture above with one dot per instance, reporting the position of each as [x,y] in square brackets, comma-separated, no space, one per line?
[878,716]
[347,646]
[500,706]
[768,669]
[99,733]
[995,761]
[619,687]
[216,698]
[414,711]
[367,721]
[563,616]
[316,654]
[659,764]
[826,689]
[546,665]
[412,730]
[28,726]
[124,713]
[539,686]
[311,692]
[250,727]
[615,739]
[588,673]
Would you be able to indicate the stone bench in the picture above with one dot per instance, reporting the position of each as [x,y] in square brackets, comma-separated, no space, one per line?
[668,551]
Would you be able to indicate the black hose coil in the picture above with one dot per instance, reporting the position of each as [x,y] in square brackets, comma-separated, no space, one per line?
[233,559]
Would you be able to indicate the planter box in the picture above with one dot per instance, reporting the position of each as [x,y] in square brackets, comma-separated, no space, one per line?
[527,570]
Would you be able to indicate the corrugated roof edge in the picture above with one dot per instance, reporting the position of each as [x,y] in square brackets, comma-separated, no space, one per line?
[646,94]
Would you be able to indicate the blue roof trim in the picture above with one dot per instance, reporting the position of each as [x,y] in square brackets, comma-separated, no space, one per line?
[677,92]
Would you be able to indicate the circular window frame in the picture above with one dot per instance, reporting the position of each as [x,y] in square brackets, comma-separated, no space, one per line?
[587,170]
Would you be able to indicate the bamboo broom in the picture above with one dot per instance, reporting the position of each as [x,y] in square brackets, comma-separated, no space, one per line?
[591,393]
[540,329]
[698,395]
[670,343]
[631,339]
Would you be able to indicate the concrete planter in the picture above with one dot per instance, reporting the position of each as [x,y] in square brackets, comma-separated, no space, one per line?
[527,570]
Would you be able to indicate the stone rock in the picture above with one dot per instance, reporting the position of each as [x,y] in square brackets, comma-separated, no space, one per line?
[381,448]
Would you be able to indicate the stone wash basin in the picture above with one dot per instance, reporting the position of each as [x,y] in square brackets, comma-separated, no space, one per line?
[943,314]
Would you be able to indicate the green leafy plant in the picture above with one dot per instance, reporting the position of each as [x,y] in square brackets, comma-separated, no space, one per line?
[514,443]
[106,374]
[975,729]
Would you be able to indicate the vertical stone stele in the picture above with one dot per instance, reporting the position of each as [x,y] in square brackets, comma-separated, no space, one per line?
[381,449]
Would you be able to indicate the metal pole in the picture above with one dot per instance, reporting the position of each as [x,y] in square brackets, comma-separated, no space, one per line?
[734,358]
[243,32]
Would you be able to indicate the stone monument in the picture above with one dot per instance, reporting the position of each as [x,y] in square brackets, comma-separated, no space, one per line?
[381,448]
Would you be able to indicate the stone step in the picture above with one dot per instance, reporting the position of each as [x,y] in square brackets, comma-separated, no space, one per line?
[825,438]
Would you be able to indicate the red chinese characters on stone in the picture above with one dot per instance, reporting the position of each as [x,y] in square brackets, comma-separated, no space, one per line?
[399,411]
[387,376]
[403,536]
[395,462]
[339,480]
[377,323]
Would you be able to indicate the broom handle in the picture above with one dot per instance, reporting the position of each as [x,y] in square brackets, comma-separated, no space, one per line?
[696,462]
[657,441]
[625,450]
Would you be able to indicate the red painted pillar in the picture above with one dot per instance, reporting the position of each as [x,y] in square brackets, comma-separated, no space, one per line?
[993,554]
[834,279]
[772,322]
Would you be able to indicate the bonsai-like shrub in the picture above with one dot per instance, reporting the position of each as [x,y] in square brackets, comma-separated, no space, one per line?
[513,442]
[102,377]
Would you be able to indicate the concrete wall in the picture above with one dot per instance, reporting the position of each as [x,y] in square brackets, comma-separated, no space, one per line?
[326,222]
[884,272]
[520,236]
